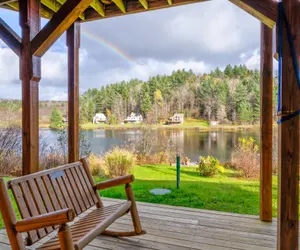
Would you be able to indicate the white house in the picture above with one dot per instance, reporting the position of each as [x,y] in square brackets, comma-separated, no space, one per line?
[134,118]
[99,118]
[176,119]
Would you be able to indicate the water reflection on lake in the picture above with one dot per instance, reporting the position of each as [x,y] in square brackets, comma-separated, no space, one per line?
[192,142]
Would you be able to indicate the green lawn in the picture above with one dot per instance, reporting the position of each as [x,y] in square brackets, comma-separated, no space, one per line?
[221,193]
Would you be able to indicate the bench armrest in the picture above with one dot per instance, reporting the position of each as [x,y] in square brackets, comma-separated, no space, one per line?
[114,182]
[45,220]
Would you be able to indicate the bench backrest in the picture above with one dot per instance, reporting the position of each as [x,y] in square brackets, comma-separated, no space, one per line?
[68,186]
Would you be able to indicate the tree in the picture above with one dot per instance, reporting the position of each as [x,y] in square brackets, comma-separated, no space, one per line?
[245,112]
[146,100]
[228,71]
[56,120]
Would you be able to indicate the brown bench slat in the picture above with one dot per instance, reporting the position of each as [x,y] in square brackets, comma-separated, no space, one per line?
[38,201]
[80,188]
[76,192]
[85,187]
[65,192]
[31,205]
[23,209]
[51,193]
[69,188]
[58,193]
[89,184]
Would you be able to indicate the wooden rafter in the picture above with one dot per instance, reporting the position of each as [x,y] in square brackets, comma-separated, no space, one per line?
[2,2]
[144,3]
[45,11]
[266,10]
[10,38]
[98,7]
[56,5]
[131,7]
[170,2]
[120,5]
[62,2]
[60,22]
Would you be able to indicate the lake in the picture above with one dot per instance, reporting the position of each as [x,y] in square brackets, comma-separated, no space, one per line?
[193,143]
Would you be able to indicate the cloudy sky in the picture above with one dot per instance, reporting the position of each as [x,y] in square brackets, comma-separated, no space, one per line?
[199,36]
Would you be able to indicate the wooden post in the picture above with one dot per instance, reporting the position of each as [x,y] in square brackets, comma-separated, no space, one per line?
[73,43]
[288,190]
[30,74]
[266,103]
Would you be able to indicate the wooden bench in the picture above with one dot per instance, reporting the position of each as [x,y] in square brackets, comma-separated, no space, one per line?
[49,199]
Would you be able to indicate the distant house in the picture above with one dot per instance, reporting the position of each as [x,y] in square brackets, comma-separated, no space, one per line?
[214,123]
[134,118]
[176,119]
[99,118]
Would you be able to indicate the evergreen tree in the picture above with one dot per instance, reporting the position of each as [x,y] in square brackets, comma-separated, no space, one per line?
[245,112]
[228,71]
[145,100]
[56,120]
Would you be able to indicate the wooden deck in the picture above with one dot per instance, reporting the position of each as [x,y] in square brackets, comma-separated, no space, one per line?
[171,228]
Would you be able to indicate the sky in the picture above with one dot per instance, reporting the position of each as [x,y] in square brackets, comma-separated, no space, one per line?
[199,36]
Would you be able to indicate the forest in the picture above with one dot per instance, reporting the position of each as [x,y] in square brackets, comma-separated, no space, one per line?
[231,96]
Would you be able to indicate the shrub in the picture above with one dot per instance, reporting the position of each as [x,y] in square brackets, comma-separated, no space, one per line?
[245,158]
[56,120]
[118,162]
[208,166]
[97,165]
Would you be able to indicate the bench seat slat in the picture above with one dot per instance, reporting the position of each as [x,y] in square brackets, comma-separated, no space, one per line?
[38,200]
[84,186]
[32,235]
[87,224]
[74,187]
[76,206]
[79,186]
[31,205]
[89,184]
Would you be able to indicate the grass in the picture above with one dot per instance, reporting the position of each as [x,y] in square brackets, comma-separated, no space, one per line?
[221,193]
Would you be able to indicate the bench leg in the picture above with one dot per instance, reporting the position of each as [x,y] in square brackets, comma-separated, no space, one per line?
[133,211]
[65,238]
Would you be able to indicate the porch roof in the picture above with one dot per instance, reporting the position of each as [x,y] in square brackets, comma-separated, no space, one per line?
[100,9]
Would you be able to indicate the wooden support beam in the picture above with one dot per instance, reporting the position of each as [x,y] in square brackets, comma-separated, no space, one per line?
[266,122]
[10,38]
[144,3]
[170,2]
[289,137]
[60,22]
[120,5]
[30,74]
[266,11]
[73,43]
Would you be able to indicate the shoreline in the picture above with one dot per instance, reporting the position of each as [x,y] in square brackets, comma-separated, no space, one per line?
[229,128]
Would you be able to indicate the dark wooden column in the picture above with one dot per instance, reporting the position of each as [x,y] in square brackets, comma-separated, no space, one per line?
[266,103]
[30,74]
[73,43]
[288,198]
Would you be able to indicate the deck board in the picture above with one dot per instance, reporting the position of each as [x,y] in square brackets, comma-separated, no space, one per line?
[172,228]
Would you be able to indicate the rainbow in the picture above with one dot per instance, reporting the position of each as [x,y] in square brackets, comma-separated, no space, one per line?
[108,45]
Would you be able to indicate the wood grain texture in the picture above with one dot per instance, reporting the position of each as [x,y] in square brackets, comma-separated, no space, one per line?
[59,23]
[30,74]
[266,123]
[266,11]
[182,228]
[73,44]
[289,131]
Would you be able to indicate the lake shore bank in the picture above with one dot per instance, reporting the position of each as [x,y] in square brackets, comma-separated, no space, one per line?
[90,126]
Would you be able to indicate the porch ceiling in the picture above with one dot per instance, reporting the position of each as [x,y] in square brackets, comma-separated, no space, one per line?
[100,9]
